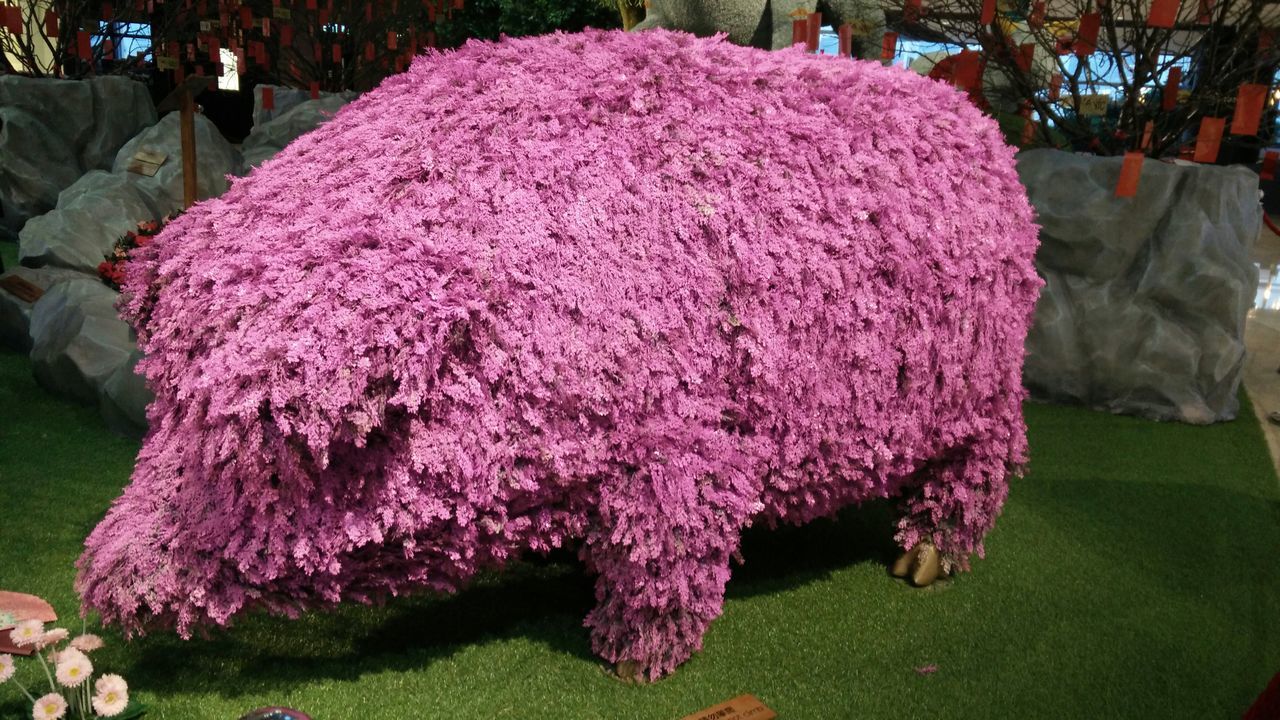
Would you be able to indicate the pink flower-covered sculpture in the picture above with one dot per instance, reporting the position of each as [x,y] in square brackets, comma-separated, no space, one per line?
[633,292]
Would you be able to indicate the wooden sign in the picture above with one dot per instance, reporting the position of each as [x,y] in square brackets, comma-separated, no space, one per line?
[165,62]
[21,289]
[743,707]
[146,162]
[19,605]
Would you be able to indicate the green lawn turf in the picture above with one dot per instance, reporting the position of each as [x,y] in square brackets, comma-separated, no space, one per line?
[1133,575]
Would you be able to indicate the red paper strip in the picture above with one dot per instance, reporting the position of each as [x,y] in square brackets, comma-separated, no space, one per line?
[1265,40]
[368,12]
[1147,132]
[1028,131]
[179,74]
[1055,86]
[1248,113]
[368,52]
[51,24]
[286,36]
[240,62]
[431,38]
[399,64]
[988,12]
[191,52]
[1087,34]
[1169,100]
[799,31]
[1269,159]
[845,34]
[246,16]
[889,46]
[1209,139]
[315,90]
[391,40]
[1163,14]
[83,45]
[214,55]
[266,27]
[815,27]
[1205,15]
[324,16]
[108,48]
[1036,18]
[913,11]
[311,4]
[1130,173]
[268,97]
[431,15]
[12,17]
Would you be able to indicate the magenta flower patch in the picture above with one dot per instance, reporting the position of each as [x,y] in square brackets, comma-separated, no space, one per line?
[632,291]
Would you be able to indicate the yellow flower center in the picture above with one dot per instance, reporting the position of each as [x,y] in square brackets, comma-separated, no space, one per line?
[111,697]
[50,708]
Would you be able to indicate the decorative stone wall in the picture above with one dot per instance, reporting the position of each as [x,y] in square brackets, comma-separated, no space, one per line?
[1145,299]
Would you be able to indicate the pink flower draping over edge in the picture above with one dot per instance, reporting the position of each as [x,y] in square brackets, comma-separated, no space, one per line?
[634,290]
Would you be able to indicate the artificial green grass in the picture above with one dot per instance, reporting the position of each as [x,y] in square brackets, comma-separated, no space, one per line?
[1133,575]
[8,254]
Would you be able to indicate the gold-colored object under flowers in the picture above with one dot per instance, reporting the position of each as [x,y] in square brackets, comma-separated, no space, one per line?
[923,563]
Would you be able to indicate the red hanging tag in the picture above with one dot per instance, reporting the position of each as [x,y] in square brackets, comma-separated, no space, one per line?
[1087,34]
[815,27]
[889,46]
[1265,40]
[214,55]
[431,38]
[337,53]
[1130,173]
[1205,14]
[368,12]
[1248,112]
[457,4]
[240,61]
[286,36]
[315,90]
[311,4]
[1269,160]
[266,27]
[1028,131]
[799,31]
[1055,87]
[83,45]
[324,17]
[1169,100]
[51,24]
[259,51]
[1147,132]
[395,7]
[1209,139]
[1026,53]
[988,12]
[431,12]
[399,64]
[845,34]
[246,17]
[1036,18]
[191,52]
[200,70]
[108,12]
[368,52]
[1163,14]
[179,74]
[268,97]
[218,70]
[108,48]
[391,40]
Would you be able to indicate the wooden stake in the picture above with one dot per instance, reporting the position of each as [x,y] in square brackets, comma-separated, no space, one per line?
[188,122]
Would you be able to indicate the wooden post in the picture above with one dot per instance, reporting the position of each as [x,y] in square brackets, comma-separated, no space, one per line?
[188,123]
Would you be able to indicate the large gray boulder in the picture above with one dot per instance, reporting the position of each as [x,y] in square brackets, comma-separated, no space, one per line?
[82,350]
[766,24]
[270,136]
[94,212]
[53,131]
[15,312]
[1143,311]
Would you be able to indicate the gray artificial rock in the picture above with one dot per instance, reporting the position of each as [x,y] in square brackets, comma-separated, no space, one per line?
[53,131]
[124,397]
[270,136]
[285,99]
[78,341]
[91,215]
[15,313]
[100,207]
[215,159]
[1143,311]
[767,24]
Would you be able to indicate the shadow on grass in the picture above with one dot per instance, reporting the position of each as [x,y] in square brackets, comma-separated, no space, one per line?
[543,600]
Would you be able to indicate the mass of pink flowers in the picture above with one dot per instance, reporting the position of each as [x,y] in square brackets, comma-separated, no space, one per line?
[629,292]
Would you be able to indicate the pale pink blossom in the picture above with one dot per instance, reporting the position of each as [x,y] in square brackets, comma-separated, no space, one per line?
[86,643]
[50,707]
[27,632]
[73,668]
[51,637]
[6,667]
[111,696]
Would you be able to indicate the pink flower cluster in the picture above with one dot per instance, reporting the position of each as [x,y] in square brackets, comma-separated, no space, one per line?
[629,291]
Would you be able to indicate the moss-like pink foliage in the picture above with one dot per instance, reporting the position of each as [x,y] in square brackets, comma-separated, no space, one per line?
[629,291]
